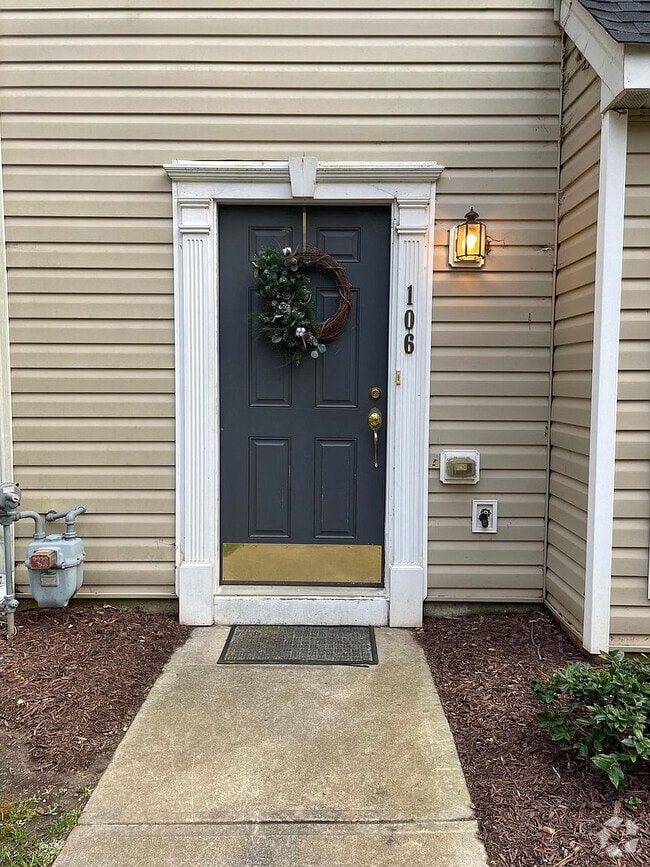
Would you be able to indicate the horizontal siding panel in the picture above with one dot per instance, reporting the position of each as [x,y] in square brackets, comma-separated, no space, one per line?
[488,553]
[632,475]
[580,189]
[633,354]
[412,23]
[72,281]
[92,382]
[73,255]
[571,438]
[493,359]
[523,408]
[630,562]
[636,263]
[340,143]
[107,406]
[94,430]
[150,179]
[567,543]
[630,591]
[634,385]
[574,384]
[485,578]
[579,246]
[132,206]
[95,231]
[633,445]
[577,274]
[580,218]
[483,595]
[569,490]
[348,76]
[515,384]
[635,326]
[498,481]
[510,530]
[573,356]
[633,622]
[635,294]
[216,5]
[633,415]
[571,411]
[577,302]
[578,329]
[510,457]
[632,504]
[566,574]
[637,201]
[92,332]
[263,48]
[567,604]
[470,181]
[631,533]
[98,454]
[27,357]
[584,158]
[315,126]
[106,551]
[480,433]
[570,464]
[459,505]
[490,334]
[491,310]
[102,502]
[96,478]
[116,526]
[50,307]
[569,517]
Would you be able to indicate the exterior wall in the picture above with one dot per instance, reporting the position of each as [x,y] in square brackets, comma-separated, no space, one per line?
[95,100]
[630,611]
[573,341]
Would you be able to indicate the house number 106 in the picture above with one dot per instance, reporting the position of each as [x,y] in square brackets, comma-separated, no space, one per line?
[409,322]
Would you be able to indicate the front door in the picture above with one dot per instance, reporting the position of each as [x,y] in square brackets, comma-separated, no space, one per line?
[302,473]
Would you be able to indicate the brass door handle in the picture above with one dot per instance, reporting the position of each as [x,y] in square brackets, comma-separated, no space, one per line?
[375,421]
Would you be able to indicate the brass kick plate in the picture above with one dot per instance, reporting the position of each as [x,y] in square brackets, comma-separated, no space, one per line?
[264,563]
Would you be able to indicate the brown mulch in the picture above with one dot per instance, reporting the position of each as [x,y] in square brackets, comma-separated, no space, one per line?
[535,805]
[73,678]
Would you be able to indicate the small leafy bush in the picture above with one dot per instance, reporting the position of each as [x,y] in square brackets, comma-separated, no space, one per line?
[602,713]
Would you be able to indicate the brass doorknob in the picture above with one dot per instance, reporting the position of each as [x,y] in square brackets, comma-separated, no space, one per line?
[374,419]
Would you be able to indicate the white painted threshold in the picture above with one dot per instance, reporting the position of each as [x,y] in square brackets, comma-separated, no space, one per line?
[316,610]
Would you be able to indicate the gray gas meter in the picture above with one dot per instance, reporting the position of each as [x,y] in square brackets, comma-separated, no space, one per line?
[55,563]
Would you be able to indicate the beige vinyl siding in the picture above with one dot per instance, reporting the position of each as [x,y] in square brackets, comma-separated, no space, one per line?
[573,341]
[630,612]
[96,98]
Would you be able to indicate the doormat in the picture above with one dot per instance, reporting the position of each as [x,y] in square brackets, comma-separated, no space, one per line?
[300,645]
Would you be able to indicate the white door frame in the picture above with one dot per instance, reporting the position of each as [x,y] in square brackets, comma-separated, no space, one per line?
[198,189]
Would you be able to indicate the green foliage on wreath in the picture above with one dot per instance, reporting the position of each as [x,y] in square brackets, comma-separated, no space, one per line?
[288,315]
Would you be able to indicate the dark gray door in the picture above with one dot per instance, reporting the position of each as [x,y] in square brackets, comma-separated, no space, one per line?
[301,498]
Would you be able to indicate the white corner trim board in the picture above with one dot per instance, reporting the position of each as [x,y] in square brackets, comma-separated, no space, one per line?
[198,189]
[604,385]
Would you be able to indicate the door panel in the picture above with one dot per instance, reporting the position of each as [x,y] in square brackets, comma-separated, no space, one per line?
[298,481]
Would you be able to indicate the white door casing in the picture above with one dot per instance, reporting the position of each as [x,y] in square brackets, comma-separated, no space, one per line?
[198,189]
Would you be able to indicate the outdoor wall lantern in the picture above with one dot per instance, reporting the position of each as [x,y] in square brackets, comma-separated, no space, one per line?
[468,243]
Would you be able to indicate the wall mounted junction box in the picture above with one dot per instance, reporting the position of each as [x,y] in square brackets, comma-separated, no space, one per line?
[459,466]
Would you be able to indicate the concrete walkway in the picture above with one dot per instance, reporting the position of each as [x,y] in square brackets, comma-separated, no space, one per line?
[283,766]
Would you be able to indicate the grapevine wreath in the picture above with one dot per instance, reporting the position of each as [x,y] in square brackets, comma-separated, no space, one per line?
[288,315]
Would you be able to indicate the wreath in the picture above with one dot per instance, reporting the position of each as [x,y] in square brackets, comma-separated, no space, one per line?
[288,316]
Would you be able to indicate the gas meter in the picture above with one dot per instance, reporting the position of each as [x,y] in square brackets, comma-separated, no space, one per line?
[55,563]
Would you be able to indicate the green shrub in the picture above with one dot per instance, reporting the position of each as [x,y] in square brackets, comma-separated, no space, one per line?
[602,713]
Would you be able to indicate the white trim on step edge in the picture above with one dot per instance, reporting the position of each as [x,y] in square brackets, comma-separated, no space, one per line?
[602,443]
[198,189]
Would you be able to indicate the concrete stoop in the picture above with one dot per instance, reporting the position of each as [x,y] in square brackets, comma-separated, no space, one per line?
[280,766]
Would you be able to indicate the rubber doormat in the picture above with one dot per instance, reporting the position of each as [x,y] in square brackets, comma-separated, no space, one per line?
[300,645]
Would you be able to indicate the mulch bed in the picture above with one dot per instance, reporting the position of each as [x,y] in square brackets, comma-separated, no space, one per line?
[534,803]
[73,678]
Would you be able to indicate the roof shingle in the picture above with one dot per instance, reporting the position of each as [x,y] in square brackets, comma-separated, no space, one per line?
[625,20]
